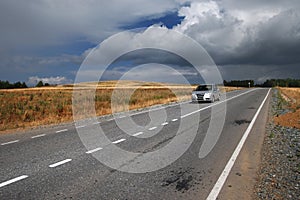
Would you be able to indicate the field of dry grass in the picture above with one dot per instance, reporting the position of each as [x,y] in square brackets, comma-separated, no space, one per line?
[291,119]
[23,108]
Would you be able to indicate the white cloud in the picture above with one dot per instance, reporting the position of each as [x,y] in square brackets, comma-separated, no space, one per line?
[51,80]
[240,32]
[215,28]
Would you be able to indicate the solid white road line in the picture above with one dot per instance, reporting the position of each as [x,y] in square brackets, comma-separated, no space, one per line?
[152,128]
[10,142]
[94,150]
[220,182]
[119,141]
[60,131]
[165,123]
[96,123]
[201,109]
[37,136]
[60,163]
[174,120]
[136,134]
[13,180]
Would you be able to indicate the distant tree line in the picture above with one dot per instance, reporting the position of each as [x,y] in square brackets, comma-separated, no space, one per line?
[239,83]
[8,85]
[281,83]
[268,83]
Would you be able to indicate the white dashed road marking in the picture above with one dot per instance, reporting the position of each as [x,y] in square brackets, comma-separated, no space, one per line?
[60,131]
[96,123]
[37,136]
[13,180]
[11,142]
[60,163]
[165,123]
[136,134]
[81,126]
[174,120]
[94,150]
[150,129]
[119,141]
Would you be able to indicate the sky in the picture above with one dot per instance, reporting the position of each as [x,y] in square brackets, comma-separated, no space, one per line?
[49,39]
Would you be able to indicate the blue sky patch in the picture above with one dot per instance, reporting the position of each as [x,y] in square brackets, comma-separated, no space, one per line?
[169,20]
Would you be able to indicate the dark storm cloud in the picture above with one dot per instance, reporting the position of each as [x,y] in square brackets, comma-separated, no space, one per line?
[275,42]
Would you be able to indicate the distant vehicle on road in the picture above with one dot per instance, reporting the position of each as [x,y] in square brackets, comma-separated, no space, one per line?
[208,92]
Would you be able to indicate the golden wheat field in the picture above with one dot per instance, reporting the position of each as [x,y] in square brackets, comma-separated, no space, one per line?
[291,119]
[23,108]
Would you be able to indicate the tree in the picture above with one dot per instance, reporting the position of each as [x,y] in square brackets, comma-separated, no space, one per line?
[24,85]
[40,84]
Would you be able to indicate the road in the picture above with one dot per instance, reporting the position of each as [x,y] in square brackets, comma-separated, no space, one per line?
[53,163]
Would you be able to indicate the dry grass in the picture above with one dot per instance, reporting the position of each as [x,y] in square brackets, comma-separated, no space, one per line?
[228,89]
[291,119]
[23,108]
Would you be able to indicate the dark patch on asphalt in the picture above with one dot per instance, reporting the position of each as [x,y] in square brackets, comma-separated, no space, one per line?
[182,180]
[184,184]
[251,108]
[242,121]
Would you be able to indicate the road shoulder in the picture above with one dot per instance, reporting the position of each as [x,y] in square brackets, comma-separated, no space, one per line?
[243,176]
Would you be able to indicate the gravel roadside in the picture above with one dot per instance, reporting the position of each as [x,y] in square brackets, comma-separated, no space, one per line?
[279,174]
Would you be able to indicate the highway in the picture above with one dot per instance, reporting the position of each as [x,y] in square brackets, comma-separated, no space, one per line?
[74,161]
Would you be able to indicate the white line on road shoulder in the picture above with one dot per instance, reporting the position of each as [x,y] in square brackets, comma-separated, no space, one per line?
[165,123]
[93,150]
[60,131]
[152,128]
[37,136]
[96,123]
[13,180]
[11,142]
[119,141]
[220,182]
[136,134]
[60,163]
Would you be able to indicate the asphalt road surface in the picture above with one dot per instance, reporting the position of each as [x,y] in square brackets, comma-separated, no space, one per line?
[77,162]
